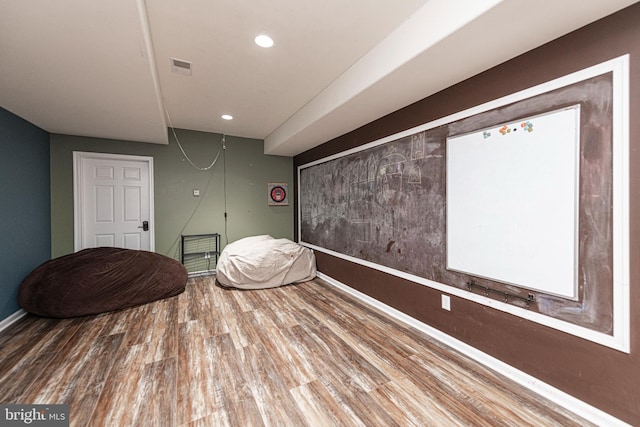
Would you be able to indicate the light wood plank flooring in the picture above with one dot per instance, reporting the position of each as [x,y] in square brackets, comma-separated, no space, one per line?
[301,355]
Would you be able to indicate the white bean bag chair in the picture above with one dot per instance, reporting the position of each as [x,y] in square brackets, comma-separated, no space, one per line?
[261,262]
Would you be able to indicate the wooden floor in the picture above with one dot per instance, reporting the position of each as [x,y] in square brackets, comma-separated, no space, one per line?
[293,356]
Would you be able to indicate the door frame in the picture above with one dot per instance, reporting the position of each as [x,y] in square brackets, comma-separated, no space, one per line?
[79,157]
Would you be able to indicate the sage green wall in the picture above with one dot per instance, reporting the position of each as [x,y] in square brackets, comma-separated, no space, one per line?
[177,211]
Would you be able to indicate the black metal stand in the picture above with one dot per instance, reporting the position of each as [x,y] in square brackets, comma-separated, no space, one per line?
[197,252]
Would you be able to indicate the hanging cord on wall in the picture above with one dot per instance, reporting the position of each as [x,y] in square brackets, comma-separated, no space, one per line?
[202,196]
[182,149]
[224,186]
[176,252]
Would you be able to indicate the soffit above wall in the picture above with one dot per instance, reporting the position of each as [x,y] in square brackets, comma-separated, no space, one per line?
[104,69]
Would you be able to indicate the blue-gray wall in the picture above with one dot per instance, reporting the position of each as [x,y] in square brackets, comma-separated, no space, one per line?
[25,224]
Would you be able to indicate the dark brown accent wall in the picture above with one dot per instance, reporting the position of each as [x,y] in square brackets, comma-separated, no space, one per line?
[604,378]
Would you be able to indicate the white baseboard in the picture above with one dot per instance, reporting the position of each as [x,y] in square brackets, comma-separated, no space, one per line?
[5,323]
[547,391]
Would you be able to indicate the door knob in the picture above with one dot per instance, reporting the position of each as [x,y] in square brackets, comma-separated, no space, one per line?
[144,226]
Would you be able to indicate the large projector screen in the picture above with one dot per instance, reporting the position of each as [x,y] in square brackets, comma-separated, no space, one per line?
[512,202]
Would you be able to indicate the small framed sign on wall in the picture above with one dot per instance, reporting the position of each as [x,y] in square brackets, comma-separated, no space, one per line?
[277,194]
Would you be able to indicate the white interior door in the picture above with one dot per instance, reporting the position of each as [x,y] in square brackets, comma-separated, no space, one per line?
[113,201]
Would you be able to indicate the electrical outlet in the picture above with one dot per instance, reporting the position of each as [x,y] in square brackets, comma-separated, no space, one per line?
[446,302]
[196,193]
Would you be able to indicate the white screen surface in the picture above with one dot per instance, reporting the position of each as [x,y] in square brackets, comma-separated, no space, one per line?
[512,202]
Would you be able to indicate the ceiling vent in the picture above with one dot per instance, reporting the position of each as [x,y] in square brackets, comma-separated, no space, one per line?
[180,66]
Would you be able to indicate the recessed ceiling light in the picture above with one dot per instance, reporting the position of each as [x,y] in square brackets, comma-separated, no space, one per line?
[263,40]
[227,116]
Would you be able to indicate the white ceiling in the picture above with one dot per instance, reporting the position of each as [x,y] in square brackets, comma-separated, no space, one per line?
[103,68]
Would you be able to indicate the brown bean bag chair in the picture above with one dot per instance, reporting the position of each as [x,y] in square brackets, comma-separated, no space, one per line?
[97,280]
